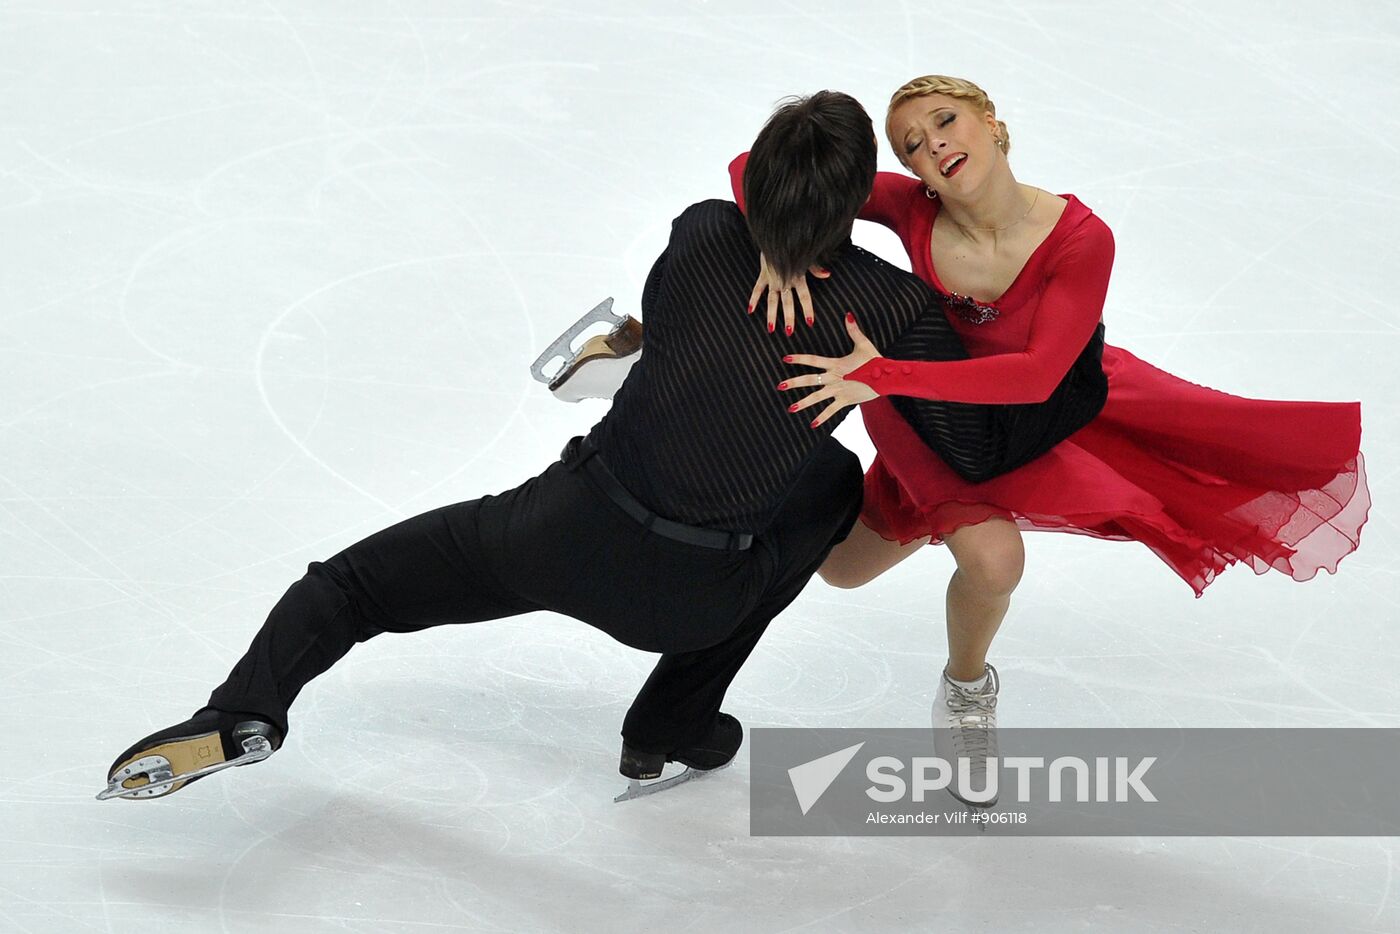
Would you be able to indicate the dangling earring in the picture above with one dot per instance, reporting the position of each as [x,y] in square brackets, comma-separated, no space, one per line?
[930,194]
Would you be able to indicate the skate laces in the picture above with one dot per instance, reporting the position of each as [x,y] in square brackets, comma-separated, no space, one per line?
[975,716]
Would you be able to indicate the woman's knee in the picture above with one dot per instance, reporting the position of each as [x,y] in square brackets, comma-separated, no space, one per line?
[845,575]
[993,571]
[993,563]
[864,556]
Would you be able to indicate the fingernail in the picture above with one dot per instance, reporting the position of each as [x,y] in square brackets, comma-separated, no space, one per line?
[789,330]
[850,318]
[770,327]
[782,385]
[793,407]
[750,309]
[810,322]
[814,423]
[787,359]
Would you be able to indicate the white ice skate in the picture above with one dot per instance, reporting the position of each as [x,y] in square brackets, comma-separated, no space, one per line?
[598,367]
[965,727]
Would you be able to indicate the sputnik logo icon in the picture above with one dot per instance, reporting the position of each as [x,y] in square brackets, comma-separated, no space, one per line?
[810,780]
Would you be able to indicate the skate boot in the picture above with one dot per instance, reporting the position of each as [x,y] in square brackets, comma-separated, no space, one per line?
[208,742]
[712,754]
[597,369]
[965,727]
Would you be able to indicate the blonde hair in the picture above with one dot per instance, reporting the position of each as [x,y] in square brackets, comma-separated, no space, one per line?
[959,88]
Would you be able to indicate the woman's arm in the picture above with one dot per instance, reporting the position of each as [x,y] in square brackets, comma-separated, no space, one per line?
[1071,306]
[736,178]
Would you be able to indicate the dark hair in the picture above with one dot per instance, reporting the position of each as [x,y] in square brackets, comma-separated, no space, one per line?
[808,174]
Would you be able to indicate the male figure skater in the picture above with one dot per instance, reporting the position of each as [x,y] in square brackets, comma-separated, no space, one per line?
[684,522]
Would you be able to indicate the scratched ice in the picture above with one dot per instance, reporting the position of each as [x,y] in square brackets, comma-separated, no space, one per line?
[273,275]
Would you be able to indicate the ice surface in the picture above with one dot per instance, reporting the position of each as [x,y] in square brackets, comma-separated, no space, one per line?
[273,275]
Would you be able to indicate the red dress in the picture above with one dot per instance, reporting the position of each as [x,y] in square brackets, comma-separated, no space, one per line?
[1203,478]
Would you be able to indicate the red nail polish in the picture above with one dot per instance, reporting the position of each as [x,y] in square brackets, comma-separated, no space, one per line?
[814,423]
[787,359]
[770,327]
[793,407]
[789,330]
[782,385]
[750,309]
[850,318]
[810,322]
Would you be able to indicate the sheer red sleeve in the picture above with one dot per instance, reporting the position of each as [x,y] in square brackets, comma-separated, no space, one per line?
[736,178]
[889,203]
[1070,307]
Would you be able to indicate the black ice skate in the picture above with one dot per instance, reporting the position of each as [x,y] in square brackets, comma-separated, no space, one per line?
[208,742]
[597,369]
[716,752]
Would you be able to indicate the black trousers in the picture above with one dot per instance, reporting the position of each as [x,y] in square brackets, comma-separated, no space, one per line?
[556,542]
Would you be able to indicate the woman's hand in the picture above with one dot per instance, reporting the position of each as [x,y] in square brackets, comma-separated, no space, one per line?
[834,385]
[784,293]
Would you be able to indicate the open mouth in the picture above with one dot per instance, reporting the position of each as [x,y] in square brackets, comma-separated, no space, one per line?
[950,166]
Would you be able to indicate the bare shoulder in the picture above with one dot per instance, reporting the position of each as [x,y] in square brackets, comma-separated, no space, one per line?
[1048,207]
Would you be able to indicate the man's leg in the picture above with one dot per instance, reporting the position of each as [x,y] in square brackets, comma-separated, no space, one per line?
[425,571]
[680,700]
[553,543]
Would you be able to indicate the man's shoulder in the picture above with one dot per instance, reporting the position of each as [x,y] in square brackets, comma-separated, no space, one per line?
[712,215]
[707,224]
[879,270]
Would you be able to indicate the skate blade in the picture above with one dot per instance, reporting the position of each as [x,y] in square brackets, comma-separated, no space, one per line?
[601,365]
[973,808]
[623,339]
[165,769]
[639,789]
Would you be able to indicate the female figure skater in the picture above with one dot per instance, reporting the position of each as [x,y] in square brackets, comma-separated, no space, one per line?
[1203,478]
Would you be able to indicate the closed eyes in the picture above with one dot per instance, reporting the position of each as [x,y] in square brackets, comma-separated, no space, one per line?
[910,146]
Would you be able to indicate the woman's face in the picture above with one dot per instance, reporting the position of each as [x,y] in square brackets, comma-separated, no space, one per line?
[947,143]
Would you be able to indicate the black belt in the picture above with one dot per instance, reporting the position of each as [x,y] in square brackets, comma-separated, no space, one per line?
[578,453]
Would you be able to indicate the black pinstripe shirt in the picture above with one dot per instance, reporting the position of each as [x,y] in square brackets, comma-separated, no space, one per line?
[699,433]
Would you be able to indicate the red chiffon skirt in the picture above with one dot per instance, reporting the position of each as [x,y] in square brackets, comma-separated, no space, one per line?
[1203,478]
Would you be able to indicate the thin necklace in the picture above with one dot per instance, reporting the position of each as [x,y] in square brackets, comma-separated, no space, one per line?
[1004,226]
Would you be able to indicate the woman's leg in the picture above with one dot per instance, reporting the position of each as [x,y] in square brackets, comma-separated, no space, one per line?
[991,557]
[864,556]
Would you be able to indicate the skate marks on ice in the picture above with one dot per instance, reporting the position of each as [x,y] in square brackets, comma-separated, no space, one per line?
[151,502]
